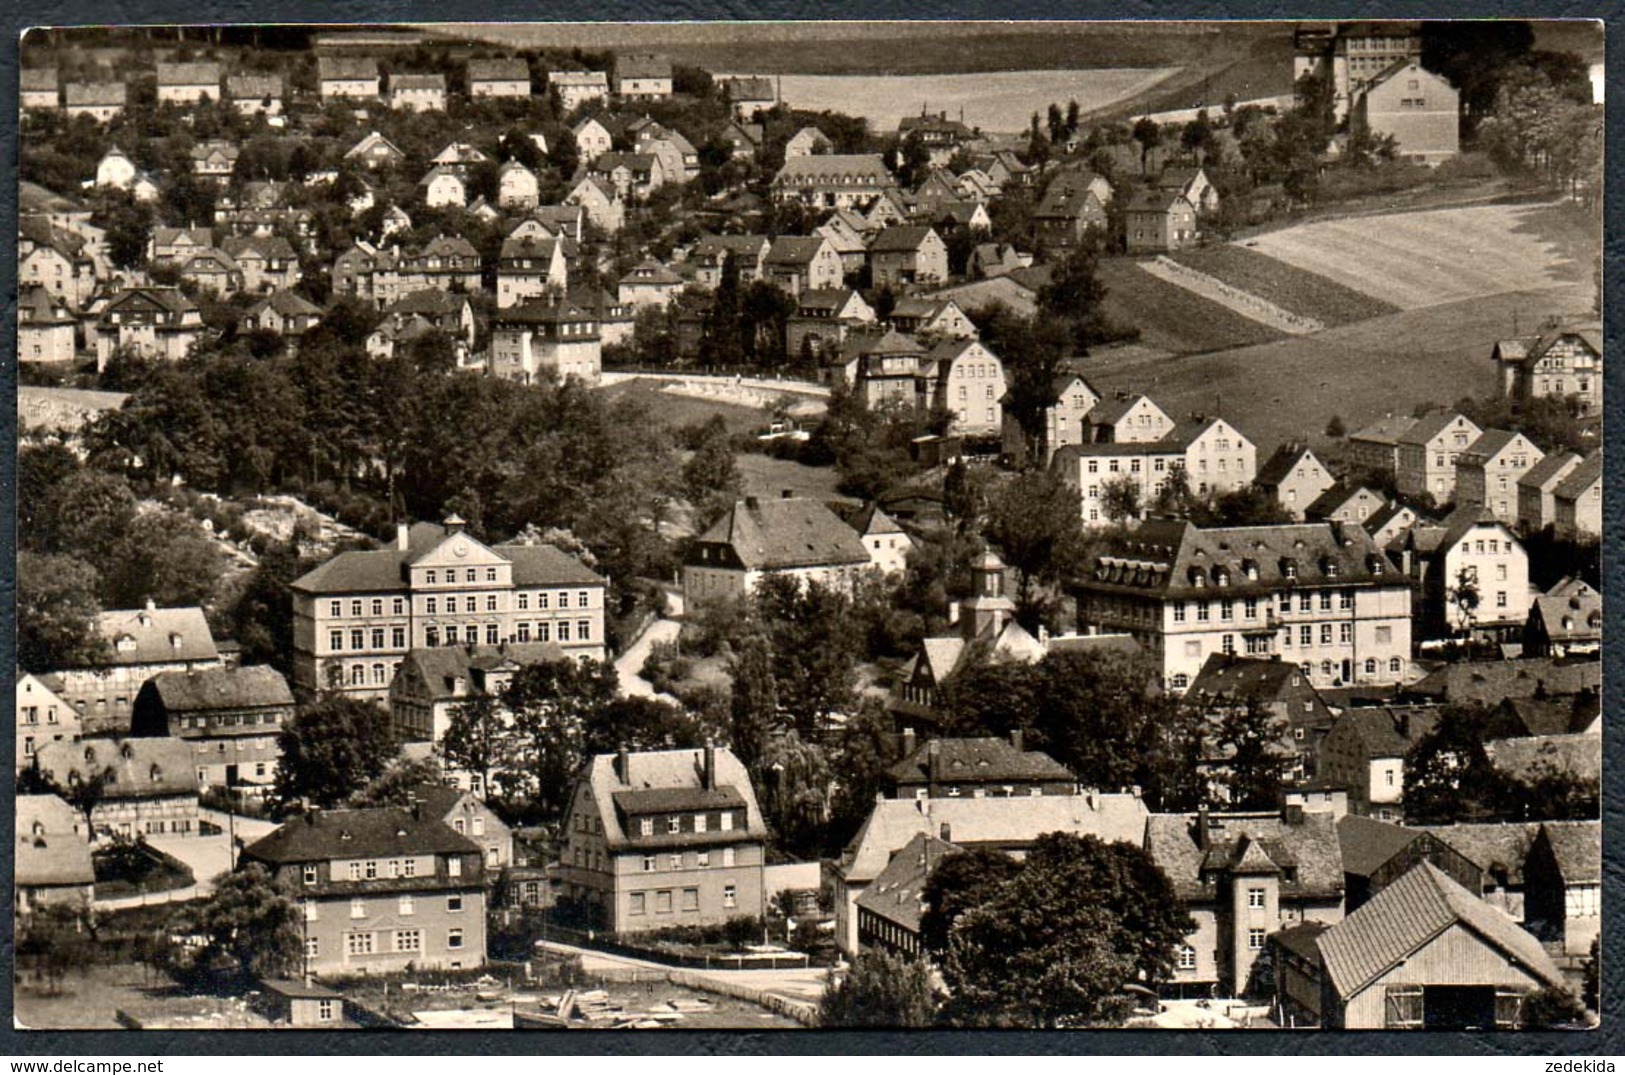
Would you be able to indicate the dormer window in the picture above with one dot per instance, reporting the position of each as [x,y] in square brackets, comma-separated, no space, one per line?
[1289,568]
[1221,575]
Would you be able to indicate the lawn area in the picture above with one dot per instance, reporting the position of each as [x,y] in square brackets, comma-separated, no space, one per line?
[765,476]
[1291,388]
[1169,317]
[674,411]
[1307,294]
[87,1002]
[1437,256]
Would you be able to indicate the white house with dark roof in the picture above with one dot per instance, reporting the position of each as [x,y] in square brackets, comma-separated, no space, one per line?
[157,322]
[1577,499]
[43,716]
[1471,550]
[357,615]
[1564,363]
[797,263]
[542,335]
[140,643]
[1537,505]
[794,536]
[506,76]
[188,83]
[231,718]
[347,77]
[52,867]
[1488,472]
[38,89]
[530,268]
[148,787]
[251,93]
[655,839]
[642,76]
[1427,451]
[1293,476]
[100,100]
[1339,503]
[832,180]
[576,88]
[417,92]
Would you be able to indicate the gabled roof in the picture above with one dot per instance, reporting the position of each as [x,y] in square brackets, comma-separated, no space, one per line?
[501,69]
[1408,914]
[1491,443]
[997,822]
[1424,429]
[93,94]
[1531,757]
[399,82]
[429,301]
[789,532]
[896,894]
[1545,475]
[1224,676]
[346,68]
[380,570]
[159,636]
[440,667]
[270,247]
[680,775]
[578,78]
[1581,478]
[831,299]
[56,854]
[207,689]
[253,86]
[651,272]
[867,519]
[379,832]
[1499,848]
[1576,845]
[1386,731]
[1327,504]
[642,65]
[794,249]
[203,73]
[37,79]
[37,306]
[866,169]
[719,246]
[1068,198]
[1282,462]
[1156,201]
[144,768]
[1576,617]
[1368,844]
[1491,681]
[172,299]
[1247,843]
[441,170]
[900,238]
[372,140]
[977,761]
[1386,430]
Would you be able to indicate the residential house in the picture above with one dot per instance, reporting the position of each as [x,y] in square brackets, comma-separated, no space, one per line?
[1321,595]
[357,615]
[593,137]
[212,272]
[1537,488]
[576,88]
[889,910]
[709,257]
[1532,758]
[517,187]
[807,142]
[52,867]
[1213,455]
[1472,576]
[1578,499]
[1427,954]
[446,311]
[251,93]
[887,367]
[1157,221]
[975,768]
[794,536]
[1489,682]
[649,283]
[888,543]
[468,815]
[942,137]
[1005,169]
[99,100]
[1563,885]
[140,644]
[1390,521]
[1243,876]
[38,89]
[530,268]
[375,151]
[656,839]
[1519,718]
[967,381]
[642,76]
[546,334]
[1294,477]
[1191,182]
[849,234]
[796,263]
[1340,503]
[1352,55]
[231,718]
[977,186]
[61,261]
[267,263]
[633,175]
[1365,753]
[823,319]
[157,322]
[432,683]
[564,221]
[188,83]
[286,313]
[1274,687]
[679,160]
[1128,418]
[601,202]
[906,255]
[1376,446]
[1565,621]
[417,93]
[443,185]
[1427,453]
[744,139]
[1378,853]
[214,161]
[749,94]
[46,326]
[890,208]
[346,77]
[932,319]
[1488,472]
[1066,419]
[380,889]
[995,259]
[1069,210]
[832,180]
[939,188]
[1565,363]
[148,788]
[505,76]
[115,169]
[616,319]
[1418,109]
[1011,825]
[43,716]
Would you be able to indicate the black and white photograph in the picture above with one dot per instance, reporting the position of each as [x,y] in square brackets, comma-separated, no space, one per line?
[751,526]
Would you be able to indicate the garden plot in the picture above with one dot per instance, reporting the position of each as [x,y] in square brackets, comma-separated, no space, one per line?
[1425,258]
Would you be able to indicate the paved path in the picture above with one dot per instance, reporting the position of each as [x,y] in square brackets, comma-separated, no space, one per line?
[629,665]
[802,986]
[206,856]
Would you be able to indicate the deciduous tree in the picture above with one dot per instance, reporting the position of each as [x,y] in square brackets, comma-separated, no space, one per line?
[879,990]
[332,749]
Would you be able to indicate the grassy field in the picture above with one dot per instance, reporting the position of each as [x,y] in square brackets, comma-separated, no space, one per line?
[674,411]
[1302,292]
[1171,318]
[1419,259]
[765,476]
[1255,62]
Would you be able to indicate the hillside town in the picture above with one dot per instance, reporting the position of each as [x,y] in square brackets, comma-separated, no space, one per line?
[500,522]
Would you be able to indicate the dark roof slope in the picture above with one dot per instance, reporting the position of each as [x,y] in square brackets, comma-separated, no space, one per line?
[1367,844]
[983,760]
[221,688]
[1309,847]
[377,832]
[789,532]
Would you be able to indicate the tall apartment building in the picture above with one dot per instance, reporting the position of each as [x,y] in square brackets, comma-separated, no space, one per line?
[356,616]
[1320,595]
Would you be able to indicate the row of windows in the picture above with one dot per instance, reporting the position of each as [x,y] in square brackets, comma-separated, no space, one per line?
[677,861]
[366,943]
[674,823]
[406,906]
[638,902]
[397,605]
[31,714]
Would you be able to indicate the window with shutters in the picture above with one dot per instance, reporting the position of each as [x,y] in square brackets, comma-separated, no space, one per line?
[1402,1007]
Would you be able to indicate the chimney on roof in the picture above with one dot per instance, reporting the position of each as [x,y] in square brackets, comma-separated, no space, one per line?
[710,767]
[1202,827]
[908,742]
[946,833]
[623,767]
[415,805]
[1293,813]
[1016,739]
[401,536]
